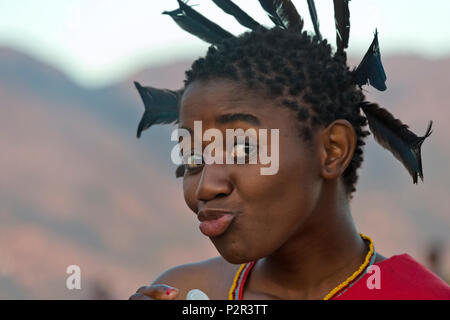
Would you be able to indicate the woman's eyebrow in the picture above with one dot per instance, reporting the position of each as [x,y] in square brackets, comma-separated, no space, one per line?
[231,117]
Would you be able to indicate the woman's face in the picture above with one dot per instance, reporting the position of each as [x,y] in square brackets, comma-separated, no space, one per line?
[268,209]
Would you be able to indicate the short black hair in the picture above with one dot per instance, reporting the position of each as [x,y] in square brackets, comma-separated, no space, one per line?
[296,70]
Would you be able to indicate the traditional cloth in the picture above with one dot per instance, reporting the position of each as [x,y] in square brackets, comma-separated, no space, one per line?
[400,278]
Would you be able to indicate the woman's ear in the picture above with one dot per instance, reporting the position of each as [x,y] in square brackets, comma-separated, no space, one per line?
[337,145]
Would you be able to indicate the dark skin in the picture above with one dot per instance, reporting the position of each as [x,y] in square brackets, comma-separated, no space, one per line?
[297,223]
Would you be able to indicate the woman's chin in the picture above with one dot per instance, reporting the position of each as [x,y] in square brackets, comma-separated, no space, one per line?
[232,253]
[235,259]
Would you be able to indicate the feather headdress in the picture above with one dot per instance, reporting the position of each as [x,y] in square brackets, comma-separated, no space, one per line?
[161,105]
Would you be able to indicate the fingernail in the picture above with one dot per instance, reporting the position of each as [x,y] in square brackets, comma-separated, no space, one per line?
[169,291]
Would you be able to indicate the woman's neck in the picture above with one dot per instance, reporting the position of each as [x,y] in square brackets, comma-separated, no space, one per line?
[316,259]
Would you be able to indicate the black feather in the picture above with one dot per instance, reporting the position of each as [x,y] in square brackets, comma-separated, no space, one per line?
[193,22]
[179,172]
[371,70]
[395,136]
[314,18]
[161,106]
[283,13]
[342,22]
[243,18]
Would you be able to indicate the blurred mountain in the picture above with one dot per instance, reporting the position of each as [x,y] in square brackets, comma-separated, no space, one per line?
[77,187]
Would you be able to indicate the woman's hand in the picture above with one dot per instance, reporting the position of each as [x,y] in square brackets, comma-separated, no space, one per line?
[155,292]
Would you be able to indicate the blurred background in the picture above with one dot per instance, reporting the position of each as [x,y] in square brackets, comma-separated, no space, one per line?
[77,187]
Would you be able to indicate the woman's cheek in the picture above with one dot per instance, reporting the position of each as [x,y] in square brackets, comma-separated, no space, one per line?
[250,183]
[189,187]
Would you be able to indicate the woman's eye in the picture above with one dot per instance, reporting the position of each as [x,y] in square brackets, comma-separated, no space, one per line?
[193,161]
[243,150]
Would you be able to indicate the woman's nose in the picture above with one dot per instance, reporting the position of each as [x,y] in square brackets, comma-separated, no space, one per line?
[213,182]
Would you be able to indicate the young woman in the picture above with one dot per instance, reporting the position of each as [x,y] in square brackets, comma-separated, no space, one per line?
[289,235]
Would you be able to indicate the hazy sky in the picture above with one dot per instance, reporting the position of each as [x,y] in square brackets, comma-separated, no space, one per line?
[96,42]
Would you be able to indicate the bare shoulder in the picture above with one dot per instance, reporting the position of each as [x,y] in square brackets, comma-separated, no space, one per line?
[213,276]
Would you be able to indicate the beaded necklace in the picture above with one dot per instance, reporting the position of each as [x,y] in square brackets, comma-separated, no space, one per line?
[237,288]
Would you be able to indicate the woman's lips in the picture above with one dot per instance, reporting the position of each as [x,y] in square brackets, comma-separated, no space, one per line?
[215,227]
[214,222]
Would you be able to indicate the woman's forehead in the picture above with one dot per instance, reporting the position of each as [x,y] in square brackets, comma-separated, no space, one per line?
[216,94]
[225,105]
[209,99]
[228,105]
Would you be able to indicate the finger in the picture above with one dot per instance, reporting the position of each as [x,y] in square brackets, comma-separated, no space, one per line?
[141,289]
[138,296]
[159,291]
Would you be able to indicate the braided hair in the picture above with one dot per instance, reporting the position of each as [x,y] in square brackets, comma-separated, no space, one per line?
[297,71]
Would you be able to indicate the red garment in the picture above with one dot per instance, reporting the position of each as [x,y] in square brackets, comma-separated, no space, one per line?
[401,278]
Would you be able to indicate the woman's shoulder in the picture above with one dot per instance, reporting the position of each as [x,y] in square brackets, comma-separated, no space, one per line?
[213,276]
[416,280]
[399,277]
[406,269]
